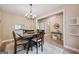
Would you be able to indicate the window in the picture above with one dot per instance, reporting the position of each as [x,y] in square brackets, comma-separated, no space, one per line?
[19,26]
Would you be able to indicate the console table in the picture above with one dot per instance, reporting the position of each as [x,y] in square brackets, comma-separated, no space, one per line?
[57,33]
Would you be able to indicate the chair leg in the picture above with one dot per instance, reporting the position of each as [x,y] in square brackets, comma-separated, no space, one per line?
[42,47]
[39,44]
[27,47]
[31,48]
[37,48]
[43,41]
[27,51]
[15,50]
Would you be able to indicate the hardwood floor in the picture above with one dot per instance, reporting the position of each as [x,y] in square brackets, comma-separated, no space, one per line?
[58,43]
[70,51]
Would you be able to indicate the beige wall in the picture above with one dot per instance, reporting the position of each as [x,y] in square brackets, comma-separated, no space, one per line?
[10,20]
[0,32]
[0,25]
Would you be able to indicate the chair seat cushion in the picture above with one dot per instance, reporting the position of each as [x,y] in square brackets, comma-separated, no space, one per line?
[20,42]
[35,40]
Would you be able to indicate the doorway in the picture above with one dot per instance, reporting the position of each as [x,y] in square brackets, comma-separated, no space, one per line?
[56,29]
[48,25]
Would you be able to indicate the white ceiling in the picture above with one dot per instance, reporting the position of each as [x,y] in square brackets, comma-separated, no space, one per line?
[21,9]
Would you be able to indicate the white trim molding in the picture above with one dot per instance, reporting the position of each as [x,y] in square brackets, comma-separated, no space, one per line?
[72,48]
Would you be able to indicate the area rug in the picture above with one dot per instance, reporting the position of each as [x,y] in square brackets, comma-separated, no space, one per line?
[47,49]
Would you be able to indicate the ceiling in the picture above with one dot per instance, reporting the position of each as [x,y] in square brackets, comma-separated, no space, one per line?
[21,9]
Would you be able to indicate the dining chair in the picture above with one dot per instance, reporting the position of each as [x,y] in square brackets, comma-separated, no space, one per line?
[28,38]
[19,42]
[39,41]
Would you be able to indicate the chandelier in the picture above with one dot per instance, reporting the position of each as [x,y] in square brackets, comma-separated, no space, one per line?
[30,15]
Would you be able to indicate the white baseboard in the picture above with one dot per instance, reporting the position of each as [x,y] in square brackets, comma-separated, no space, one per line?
[72,48]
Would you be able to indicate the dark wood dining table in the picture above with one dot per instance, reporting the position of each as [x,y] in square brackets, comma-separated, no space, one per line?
[30,36]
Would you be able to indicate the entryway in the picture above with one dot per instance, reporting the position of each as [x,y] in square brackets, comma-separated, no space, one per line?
[57,29]
[53,26]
